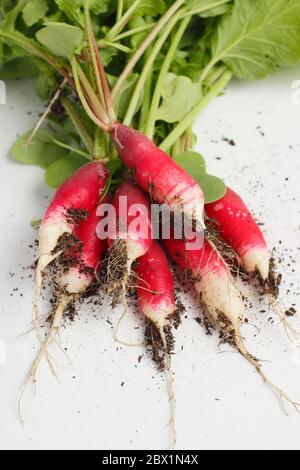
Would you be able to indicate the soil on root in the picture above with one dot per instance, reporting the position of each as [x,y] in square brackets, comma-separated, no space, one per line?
[228,254]
[76,216]
[155,344]
[115,274]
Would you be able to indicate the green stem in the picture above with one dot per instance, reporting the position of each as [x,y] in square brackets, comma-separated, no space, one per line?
[77,123]
[120,47]
[120,9]
[134,31]
[119,25]
[197,11]
[146,97]
[72,149]
[190,117]
[144,45]
[146,69]
[149,130]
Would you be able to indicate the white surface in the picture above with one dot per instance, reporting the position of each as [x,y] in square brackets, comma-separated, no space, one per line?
[222,403]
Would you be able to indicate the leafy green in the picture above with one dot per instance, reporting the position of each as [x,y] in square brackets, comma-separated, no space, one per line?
[34,11]
[60,39]
[194,164]
[258,37]
[20,67]
[150,7]
[40,152]
[179,95]
[61,169]
[72,10]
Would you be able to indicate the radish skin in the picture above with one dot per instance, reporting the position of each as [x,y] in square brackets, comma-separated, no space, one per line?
[73,282]
[80,192]
[238,228]
[129,241]
[165,181]
[222,300]
[156,287]
[156,300]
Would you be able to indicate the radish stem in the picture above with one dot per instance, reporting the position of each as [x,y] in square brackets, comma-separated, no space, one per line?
[149,130]
[189,118]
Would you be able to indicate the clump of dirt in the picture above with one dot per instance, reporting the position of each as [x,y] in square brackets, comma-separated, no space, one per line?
[155,344]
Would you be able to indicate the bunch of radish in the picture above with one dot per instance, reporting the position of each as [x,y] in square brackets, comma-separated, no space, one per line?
[72,251]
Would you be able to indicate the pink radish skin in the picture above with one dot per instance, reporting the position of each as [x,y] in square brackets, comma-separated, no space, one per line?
[156,300]
[73,283]
[77,279]
[212,280]
[137,244]
[158,174]
[81,191]
[239,229]
[156,291]
[222,300]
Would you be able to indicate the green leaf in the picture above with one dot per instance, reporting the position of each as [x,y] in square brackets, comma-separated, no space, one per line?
[213,188]
[34,11]
[20,67]
[72,10]
[60,39]
[258,37]
[179,95]
[40,152]
[149,7]
[99,6]
[194,164]
[62,169]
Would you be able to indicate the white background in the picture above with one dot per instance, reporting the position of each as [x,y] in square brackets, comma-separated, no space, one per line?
[221,402]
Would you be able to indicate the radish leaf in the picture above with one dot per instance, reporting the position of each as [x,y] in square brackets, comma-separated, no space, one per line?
[194,164]
[60,39]
[258,37]
[40,152]
[34,11]
[62,169]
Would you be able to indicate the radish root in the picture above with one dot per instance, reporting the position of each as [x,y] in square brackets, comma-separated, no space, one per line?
[280,394]
[43,351]
[171,391]
[291,333]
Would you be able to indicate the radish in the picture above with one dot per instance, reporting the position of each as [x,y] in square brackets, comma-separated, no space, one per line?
[158,174]
[155,293]
[129,236]
[237,227]
[156,296]
[74,273]
[223,303]
[72,202]
[155,171]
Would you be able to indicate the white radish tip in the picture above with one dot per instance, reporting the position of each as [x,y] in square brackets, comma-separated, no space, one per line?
[220,295]
[257,259]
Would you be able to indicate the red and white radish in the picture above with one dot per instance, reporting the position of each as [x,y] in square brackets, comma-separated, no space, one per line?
[76,271]
[223,303]
[156,301]
[155,171]
[237,227]
[129,236]
[165,181]
[72,202]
